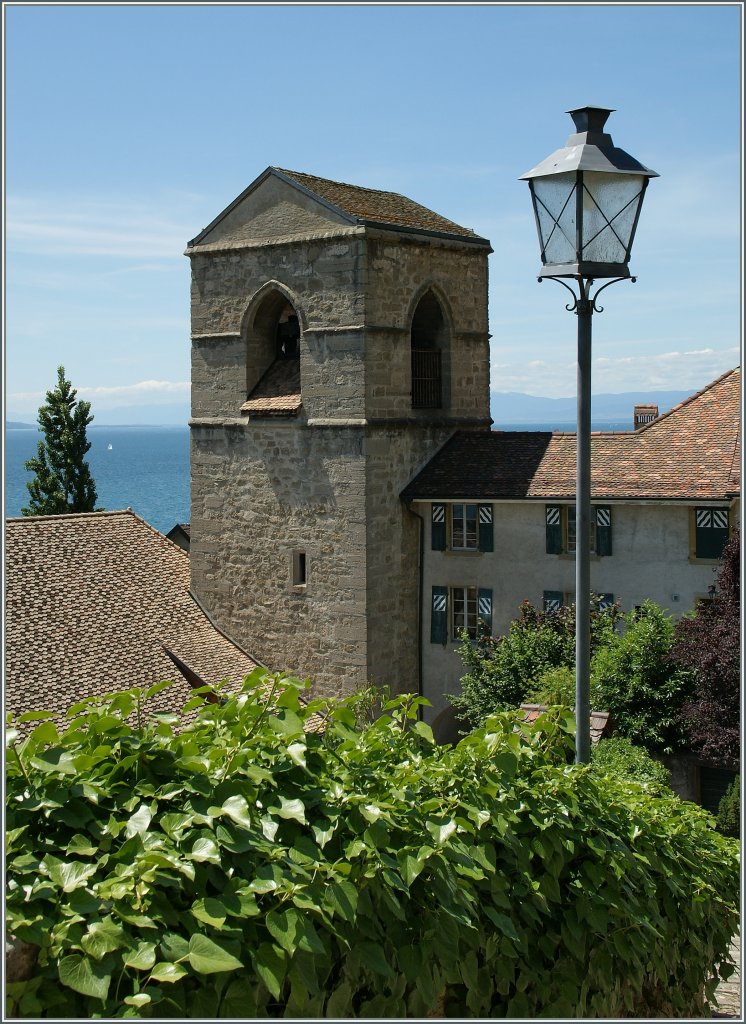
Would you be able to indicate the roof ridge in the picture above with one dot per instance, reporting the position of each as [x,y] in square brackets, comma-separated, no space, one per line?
[347,184]
[76,515]
[102,514]
[686,401]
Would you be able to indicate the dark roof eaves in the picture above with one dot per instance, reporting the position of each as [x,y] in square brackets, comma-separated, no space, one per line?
[624,497]
[451,236]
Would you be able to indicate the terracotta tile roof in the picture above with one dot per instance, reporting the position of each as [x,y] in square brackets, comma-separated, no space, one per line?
[278,392]
[371,206]
[691,452]
[90,601]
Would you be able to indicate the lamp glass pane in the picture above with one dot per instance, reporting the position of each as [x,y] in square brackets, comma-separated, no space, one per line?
[610,203]
[554,197]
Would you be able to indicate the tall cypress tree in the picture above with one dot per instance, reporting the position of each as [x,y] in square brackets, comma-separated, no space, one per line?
[62,481]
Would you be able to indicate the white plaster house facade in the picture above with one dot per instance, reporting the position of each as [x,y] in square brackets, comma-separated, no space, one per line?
[498,514]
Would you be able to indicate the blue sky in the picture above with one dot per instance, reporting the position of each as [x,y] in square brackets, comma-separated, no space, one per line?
[128,128]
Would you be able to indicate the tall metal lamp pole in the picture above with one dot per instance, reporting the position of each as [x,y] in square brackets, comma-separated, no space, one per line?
[587,198]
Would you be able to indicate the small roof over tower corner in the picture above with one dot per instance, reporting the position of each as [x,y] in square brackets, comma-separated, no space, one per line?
[353,205]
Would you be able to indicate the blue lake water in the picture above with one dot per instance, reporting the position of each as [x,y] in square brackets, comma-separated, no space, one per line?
[146,469]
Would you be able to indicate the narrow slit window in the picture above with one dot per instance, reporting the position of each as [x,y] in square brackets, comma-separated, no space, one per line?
[299,569]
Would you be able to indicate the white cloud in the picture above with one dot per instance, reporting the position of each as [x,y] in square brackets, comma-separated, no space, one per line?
[43,226]
[666,371]
[145,391]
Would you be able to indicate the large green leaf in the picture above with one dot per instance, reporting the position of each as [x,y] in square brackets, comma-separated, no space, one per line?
[208,957]
[174,946]
[237,808]
[293,930]
[84,975]
[340,1001]
[82,845]
[34,716]
[297,753]
[374,957]
[342,897]
[293,809]
[210,911]
[68,875]
[441,829]
[271,966]
[142,957]
[103,937]
[205,850]
[139,822]
[168,973]
[57,759]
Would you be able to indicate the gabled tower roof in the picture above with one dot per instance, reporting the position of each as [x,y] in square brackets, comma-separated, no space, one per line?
[358,205]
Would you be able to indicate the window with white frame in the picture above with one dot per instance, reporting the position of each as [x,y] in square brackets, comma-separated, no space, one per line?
[561,530]
[464,526]
[461,526]
[460,609]
[463,611]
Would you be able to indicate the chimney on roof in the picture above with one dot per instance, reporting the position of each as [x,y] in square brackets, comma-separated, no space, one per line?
[645,414]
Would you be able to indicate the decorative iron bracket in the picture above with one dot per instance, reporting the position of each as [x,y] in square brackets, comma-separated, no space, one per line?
[584,302]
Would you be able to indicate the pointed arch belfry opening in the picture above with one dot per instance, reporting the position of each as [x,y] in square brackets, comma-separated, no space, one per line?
[272,332]
[430,354]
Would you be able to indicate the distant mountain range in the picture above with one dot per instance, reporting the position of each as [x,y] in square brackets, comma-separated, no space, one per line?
[508,408]
[514,409]
[166,415]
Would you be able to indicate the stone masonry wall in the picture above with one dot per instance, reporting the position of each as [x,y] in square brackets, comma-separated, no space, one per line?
[326,482]
[323,280]
[261,492]
[400,270]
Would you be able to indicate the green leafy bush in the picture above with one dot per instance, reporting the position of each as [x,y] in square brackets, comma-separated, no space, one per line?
[229,863]
[503,671]
[618,756]
[639,684]
[557,686]
[729,810]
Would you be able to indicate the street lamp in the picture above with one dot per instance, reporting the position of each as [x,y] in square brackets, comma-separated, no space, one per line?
[587,198]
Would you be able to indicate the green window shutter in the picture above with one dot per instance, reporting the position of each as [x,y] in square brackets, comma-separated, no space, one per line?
[439,616]
[484,611]
[554,530]
[486,542]
[711,528]
[603,530]
[438,534]
[553,600]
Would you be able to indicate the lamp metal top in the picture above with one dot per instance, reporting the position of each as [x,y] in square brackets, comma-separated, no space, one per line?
[590,148]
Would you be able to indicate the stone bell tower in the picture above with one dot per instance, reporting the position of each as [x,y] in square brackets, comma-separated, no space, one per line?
[339,337]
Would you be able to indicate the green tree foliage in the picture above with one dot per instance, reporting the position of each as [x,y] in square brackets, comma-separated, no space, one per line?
[637,683]
[228,862]
[62,481]
[504,671]
[729,810]
[709,645]
[557,686]
[619,756]
[632,675]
